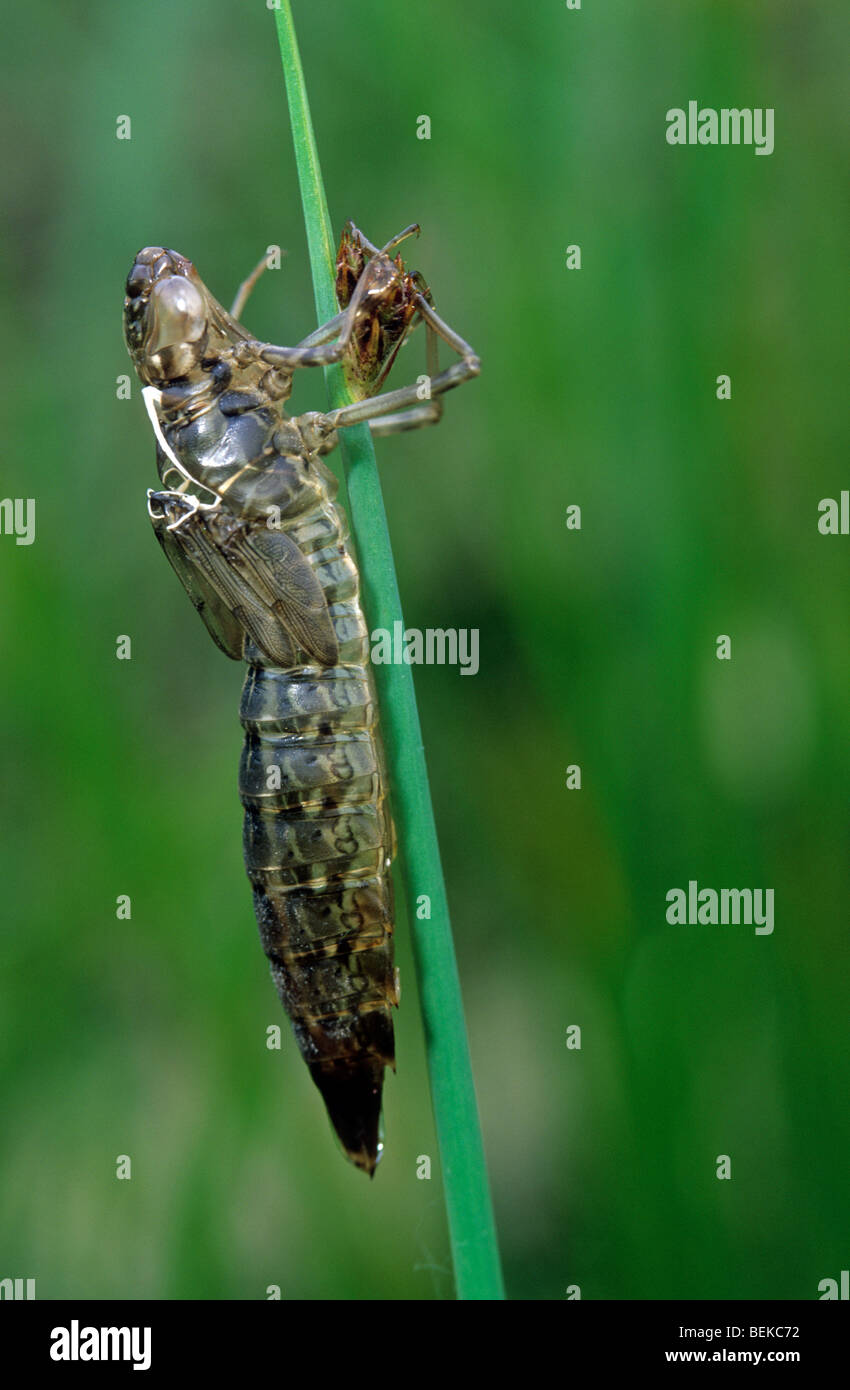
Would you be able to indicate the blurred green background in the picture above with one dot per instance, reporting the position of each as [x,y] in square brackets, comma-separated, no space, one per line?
[699,517]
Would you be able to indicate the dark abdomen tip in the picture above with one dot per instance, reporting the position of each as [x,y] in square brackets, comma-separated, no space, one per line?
[352,1095]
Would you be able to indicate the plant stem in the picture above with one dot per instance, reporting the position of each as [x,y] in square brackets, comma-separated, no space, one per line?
[469,1210]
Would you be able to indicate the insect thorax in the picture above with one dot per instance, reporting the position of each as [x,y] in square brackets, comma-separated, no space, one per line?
[245,449]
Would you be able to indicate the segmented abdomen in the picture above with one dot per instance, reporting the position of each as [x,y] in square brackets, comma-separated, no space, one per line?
[318,841]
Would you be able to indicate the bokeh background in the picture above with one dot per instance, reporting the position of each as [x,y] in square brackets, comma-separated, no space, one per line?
[699,517]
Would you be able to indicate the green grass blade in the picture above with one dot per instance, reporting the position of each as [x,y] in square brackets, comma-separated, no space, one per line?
[470,1216]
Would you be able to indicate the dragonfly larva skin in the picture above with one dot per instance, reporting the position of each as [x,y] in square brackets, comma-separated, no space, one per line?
[246,516]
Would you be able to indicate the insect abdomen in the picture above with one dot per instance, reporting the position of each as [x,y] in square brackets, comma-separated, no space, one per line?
[317,847]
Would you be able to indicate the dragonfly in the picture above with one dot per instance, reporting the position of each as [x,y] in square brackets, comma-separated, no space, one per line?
[247,517]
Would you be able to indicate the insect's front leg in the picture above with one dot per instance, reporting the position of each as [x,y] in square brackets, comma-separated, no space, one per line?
[326,344]
[330,342]
[244,291]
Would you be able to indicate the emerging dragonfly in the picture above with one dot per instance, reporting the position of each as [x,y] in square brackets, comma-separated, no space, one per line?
[247,518]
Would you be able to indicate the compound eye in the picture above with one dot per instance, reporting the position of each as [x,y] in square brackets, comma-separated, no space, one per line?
[138,279]
[179,313]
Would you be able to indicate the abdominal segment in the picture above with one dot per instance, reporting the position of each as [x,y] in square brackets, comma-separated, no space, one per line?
[318,841]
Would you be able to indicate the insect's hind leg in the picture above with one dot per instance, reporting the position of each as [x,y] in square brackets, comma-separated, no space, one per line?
[405,409]
[428,412]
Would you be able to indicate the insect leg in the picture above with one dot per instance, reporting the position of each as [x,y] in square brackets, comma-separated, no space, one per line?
[315,350]
[324,333]
[428,412]
[247,286]
[318,349]
[407,402]
[413,230]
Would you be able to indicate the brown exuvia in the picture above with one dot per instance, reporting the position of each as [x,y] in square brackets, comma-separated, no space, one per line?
[247,518]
